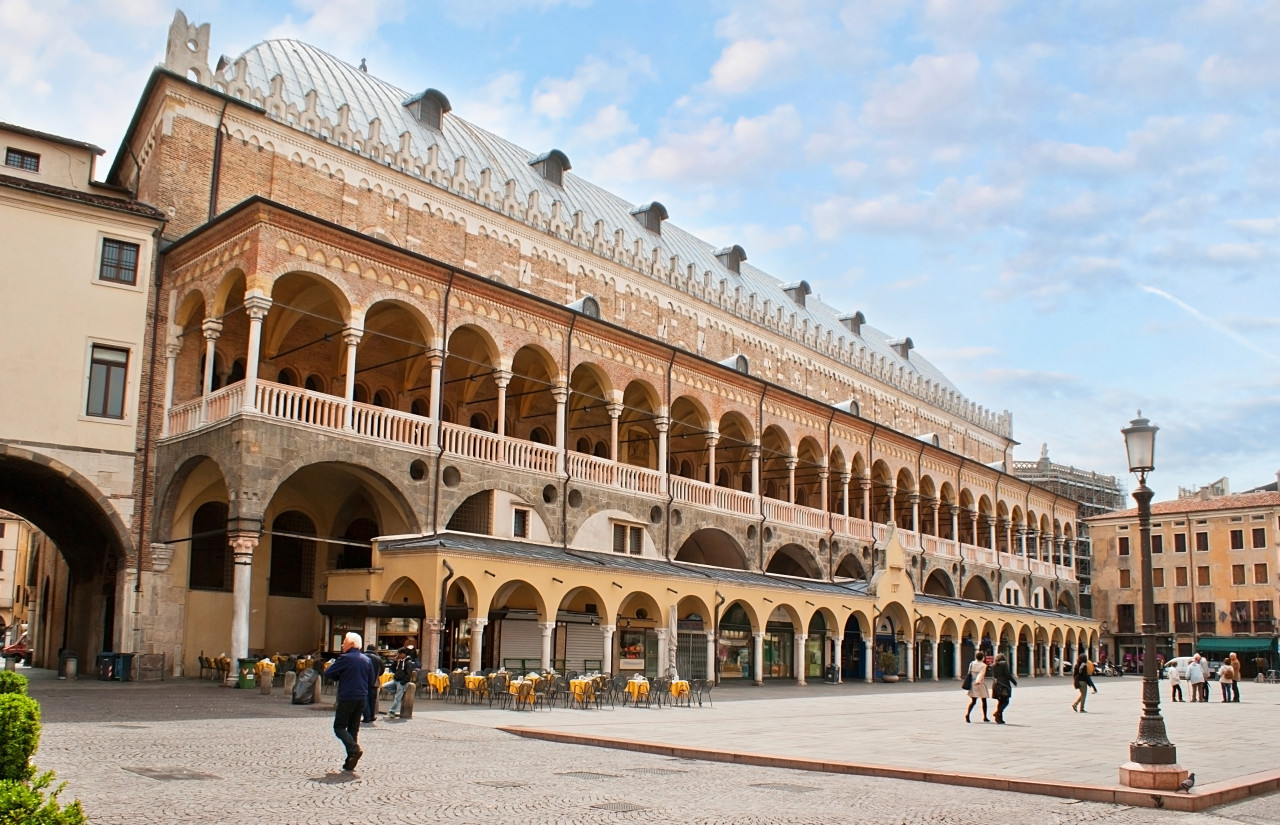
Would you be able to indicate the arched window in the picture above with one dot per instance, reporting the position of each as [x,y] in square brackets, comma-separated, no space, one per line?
[293,558]
[358,557]
[315,383]
[539,436]
[237,371]
[287,377]
[361,395]
[419,407]
[210,555]
[382,398]
[480,421]
[601,450]
[584,445]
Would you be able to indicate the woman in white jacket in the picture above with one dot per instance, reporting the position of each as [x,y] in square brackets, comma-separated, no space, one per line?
[978,686]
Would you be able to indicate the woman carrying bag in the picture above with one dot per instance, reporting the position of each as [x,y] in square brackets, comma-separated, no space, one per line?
[976,683]
[1003,688]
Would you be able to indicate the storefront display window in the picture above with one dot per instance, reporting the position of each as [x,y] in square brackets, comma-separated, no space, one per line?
[631,650]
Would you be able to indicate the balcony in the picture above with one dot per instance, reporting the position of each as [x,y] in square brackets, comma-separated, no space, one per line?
[1264,627]
[1206,628]
[306,408]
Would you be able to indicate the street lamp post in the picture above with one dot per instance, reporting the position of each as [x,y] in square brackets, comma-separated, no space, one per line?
[1153,759]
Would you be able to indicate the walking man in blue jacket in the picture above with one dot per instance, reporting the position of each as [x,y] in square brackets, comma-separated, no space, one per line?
[354,674]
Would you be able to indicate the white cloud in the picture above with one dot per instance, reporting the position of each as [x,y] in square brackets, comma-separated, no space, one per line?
[1076,157]
[765,238]
[744,62]
[606,123]
[1256,227]
[472,14]
[558,98]
[934,90]
[344,27]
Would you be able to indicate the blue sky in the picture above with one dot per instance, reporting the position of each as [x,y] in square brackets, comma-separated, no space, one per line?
[1072,208]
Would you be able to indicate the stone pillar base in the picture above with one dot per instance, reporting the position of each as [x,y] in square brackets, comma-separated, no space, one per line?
[1152,777]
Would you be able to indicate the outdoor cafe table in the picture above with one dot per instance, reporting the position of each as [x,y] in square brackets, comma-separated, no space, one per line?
[582,690]
[637,688]
[513,687]
[679,688]
[439,682]
[474,682]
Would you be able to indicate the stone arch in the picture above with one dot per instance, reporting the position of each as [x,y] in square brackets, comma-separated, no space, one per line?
[977,589]
[687,438]
[850,566]
[775,454]
[733,452]
[938,583]
[793,560]
[714,547]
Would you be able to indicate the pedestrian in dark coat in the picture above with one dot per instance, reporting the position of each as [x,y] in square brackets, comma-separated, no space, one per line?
[1003,687]
[354,674]
[371,705]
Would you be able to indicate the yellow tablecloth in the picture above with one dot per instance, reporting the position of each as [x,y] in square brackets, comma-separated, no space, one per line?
[582,689]
[384,678]
[514,689]
[679,688]
[439,682]
[637,688]
[474,682]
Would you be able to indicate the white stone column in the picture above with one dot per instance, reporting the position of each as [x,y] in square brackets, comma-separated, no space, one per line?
[212,328]
[242,547]
[615,413]
[1013,657]
[503,379]
[753,452]
[844,493]
[1048,655]
[823,477]
[663,641]
[1062,659]
[936,662]
[865,484]
[606,632]
[791,479]
[801,658]
[435,363]
[893,493]
[430,644]
[662,423]
[956,649]
[171,351]
[561,395]
[911,660]
[973,519]
[547,629]
[477,642]
[713,438]
[757,640]
[955,525]
[936,506]
[256,307]
[837,646]
[711,657]
[868,665]
[914,498]
[351,338]
[991,529]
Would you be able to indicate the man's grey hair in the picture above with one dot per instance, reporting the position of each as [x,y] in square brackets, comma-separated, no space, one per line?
[353,638]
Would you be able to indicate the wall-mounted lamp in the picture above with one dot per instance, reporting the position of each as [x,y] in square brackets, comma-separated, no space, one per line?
[557,581]
[669,590]
[767,599]
[806,601]
[491,575]
[615,584]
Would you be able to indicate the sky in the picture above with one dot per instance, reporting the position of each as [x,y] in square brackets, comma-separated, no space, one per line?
[1071,207]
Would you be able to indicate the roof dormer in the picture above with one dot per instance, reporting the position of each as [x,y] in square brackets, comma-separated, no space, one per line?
[854,322]
[903,347]
[798,291]
[738,363]
[651,216]
[731,257]
[552,166]
[429,108]
[588,306]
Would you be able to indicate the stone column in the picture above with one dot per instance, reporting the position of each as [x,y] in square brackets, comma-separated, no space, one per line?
[1008,537]
[606,633]
[973,519]
[242,547]
[936,505]
[713,438]
[711,656]
[991,528]
[868,665]
[435,362]
[1022,542]
[865,484]
[477,642]
[561,395]
[893,493]
[663,641]
[837,645]
[1013,657]
[1062,659]
[212,328]
[431,644]
[547,629]
[823,475]
[911,660]
[801,659]
[757,640]
[256,307]
[844,493]
[955,524]
[171,350]
[936,662]
[503,379]
[955,655]
[1048,664]
[351,337]
[791,479]
[753,452]
[662,423]
[914,498]
[615,413]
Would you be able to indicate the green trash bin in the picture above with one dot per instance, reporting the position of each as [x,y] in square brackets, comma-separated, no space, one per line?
[246,671]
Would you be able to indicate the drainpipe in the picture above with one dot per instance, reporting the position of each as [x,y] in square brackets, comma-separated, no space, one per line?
[439,411]
[671,497]
[564,438]
[215,174]
[826,505]
[715,627]
[444,595]
[759,491]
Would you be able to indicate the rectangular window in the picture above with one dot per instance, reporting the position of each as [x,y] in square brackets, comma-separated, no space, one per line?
[1157,577]
[1263,620]
[1180,577]
[1259,574]
[1206,617]
[18,159]
[1124,618]
[1125,579]
[1182,618]
[1259,538]
[1202,542]
[1202,576]
[119,262]
[1237,574]
[628,538]
[520,523]
[1157,544]
[1162,618]
[1240,621]
[1122,545]
[1237,539]
[107,369]
[2,526]
[1179,542]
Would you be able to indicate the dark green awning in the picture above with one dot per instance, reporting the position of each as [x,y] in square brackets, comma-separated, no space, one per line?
[1233,644]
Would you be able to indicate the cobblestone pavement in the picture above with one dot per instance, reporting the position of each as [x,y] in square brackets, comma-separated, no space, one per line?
[192,752]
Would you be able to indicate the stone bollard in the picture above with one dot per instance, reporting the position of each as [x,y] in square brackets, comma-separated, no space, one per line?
[315,691]
[290,679]
[265,683]
[406,702]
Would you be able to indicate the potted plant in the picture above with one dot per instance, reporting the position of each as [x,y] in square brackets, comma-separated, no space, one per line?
[888,666]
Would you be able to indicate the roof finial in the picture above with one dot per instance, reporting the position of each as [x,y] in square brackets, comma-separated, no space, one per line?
[363,66]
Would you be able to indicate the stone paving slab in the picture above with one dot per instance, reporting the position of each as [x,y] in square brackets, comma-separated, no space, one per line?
[194,752]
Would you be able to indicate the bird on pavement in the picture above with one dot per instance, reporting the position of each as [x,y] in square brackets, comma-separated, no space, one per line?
[1186,785]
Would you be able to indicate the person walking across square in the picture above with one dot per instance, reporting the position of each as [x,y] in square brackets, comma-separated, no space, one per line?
[354,674]
[1080,679]
[1195,675]
[371,701]
[1175,682]
[1239,675]
[1002,688]
[1226,677]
